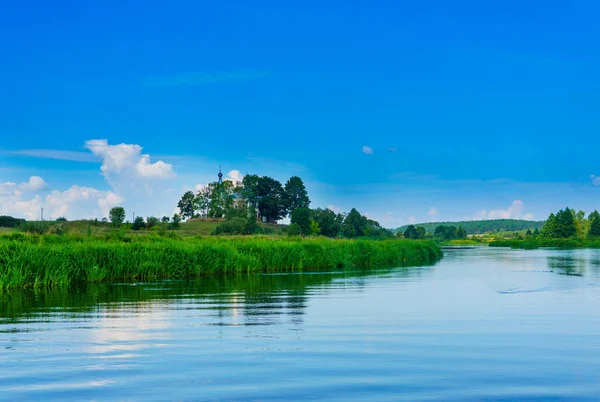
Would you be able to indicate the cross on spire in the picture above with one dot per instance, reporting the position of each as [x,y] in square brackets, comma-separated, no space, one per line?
[220,175]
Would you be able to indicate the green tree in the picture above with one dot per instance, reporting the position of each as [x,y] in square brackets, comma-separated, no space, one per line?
[138,223]
[301,217]
[116,216]
[411,232]
[295,194]
[529,233]
[354,224]
[186,205]
[550,227]
[329,222]
[315,230]
[594,220]
[221,199]
[175,222]
[271,203]
[566,226]
[151,221]
[251,222]
[461,233]
[165,219]
[421,232]
[294,230]
[202,200]
[536,232]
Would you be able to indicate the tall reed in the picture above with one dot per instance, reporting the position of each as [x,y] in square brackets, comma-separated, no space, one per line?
[50,260]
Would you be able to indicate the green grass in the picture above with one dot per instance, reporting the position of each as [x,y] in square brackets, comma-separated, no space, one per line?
[51,260]
[532,244]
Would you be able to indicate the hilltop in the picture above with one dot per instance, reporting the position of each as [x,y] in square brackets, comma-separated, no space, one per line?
[484,226]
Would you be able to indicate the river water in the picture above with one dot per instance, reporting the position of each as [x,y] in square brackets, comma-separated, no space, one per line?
[483,324]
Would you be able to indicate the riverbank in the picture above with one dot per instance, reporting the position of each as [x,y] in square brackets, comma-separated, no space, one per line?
[51,260]
[532,244]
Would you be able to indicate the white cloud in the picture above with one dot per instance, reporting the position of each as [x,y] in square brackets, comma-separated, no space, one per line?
[514,211]
[126,162]
[235,176]
[412,220]
[595,180]
[132,177]
[432,212]
[367,150]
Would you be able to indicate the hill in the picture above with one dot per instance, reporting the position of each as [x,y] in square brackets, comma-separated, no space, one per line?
[485,226]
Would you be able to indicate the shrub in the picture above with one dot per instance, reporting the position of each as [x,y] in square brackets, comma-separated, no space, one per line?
[235,226]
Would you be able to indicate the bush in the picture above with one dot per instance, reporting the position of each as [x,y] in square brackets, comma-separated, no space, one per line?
[235,226]
[294,230]
[138,223]
[10,222]
[34,227]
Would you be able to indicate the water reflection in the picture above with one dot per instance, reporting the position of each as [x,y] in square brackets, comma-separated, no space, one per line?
[231,300]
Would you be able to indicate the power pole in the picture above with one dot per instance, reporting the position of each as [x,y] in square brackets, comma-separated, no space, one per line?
[42,213]
[132,217]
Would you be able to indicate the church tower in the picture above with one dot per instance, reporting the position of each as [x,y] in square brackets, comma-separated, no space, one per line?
[220,176]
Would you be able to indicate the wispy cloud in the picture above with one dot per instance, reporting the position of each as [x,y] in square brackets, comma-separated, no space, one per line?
[75,156]
[202,78]
[367,150]
[595,180]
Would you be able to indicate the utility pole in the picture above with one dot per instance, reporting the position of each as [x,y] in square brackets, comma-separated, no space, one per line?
[132,217]
[42,213]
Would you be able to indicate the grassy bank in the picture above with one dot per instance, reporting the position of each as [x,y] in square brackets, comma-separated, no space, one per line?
[532,244]
[51,260]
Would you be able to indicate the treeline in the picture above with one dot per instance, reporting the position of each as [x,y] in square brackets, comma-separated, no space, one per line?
[483,226]
[568,223]
[441,232]
[10,222]
[566,228]
[259,200]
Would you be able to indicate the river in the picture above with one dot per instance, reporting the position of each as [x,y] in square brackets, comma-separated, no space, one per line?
[482,324]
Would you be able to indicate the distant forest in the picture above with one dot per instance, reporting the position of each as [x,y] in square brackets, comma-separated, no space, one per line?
[486,226]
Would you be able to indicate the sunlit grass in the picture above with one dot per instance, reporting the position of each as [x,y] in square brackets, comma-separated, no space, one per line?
[50,260]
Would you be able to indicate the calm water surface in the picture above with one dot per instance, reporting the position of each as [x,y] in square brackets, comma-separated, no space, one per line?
[484,324]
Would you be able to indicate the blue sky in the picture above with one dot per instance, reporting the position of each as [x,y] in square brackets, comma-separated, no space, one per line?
[465,109]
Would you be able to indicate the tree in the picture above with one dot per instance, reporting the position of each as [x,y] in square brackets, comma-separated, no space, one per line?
[165,219]
[549,228]
[186,205]
[594,220]
[461,233]
[354,224]
[221,199]
[202,200]
[251,222]
[411,232]
[315,230]
[116,216]
[566,226]
[536,232]
[421,232]
[151,221]
[175,222]
[294,230]
[301,217]
[529,233]
[329,222]
[271,203]
[295,194]
[138,223]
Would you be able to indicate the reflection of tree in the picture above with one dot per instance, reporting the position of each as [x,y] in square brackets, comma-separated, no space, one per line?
[567,265]
[230,300]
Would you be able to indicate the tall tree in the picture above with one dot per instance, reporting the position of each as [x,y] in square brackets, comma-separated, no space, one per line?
[295,194]
[354,224]
[566,226]
[271,203]
[202,200]
[116,216]
[594,220]
[301,217]
[549,228]
[221,199]
[411,232]
[186,205]
[329,222]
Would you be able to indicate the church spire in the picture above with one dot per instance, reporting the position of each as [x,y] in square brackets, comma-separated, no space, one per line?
[220,175]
